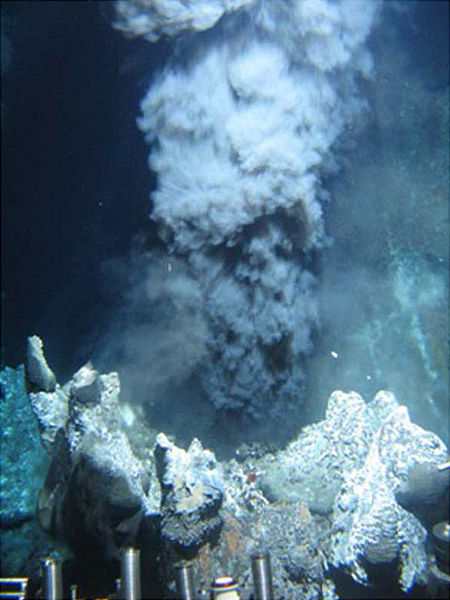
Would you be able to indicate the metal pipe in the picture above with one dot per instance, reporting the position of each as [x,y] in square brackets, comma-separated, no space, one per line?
[53,589]
[185,581]
[262,577]
[131,574]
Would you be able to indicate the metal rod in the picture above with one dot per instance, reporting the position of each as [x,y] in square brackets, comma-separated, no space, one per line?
[185,581]
[262,577]
[53,589]
[131,574]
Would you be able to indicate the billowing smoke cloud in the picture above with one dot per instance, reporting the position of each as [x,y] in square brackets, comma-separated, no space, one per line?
[158,339]
[242,124]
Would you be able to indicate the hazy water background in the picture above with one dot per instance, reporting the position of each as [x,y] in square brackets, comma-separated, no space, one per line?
[75,197]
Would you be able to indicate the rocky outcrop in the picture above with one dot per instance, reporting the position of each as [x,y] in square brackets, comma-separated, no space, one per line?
[346,492]
[23,464]
[313,467]
[21,455]
[369,523]
[366,467]
[192,486]
[98,486]
[39,374]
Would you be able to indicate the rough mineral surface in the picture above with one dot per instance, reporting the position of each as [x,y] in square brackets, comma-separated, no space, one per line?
[368,522]
[22,459]
[39,374]
[363,466]
[345,492]
[23,464]
[51,410]
[313,467]
[294,550]
[192,491]
[96,478]
[48,399]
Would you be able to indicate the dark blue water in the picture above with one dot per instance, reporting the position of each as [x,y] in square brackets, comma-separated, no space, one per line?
[75,184]
[75,193]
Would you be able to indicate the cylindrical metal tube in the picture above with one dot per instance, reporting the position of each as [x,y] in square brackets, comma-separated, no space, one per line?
[262,577]
[53,589]
[131,574]
[185,581]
